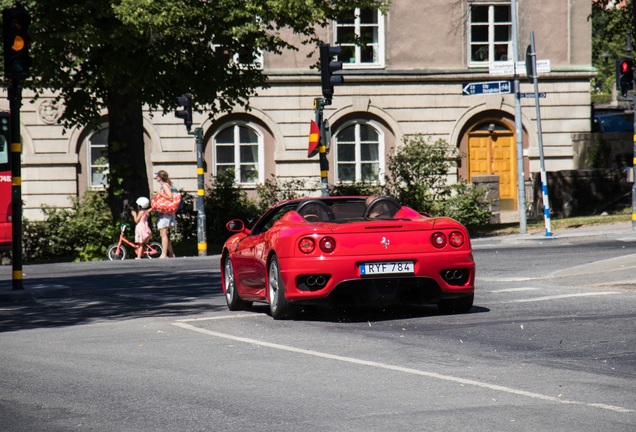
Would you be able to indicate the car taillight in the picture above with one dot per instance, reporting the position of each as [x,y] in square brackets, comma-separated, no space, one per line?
[306,245]
[439,240]
[327,244]
[456,239]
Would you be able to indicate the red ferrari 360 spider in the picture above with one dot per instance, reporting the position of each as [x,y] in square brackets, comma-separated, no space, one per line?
[347,249]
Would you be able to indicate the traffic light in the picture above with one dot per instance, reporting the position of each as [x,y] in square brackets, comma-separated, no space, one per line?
[624,75]
[327,68]
[15,35]
[185,101]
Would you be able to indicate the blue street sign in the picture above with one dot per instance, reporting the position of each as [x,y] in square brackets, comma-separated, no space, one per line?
[490,87]
[531,95]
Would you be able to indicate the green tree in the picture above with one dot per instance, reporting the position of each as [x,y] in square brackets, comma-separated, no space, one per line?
[610,24]
[417,172]
[119,55]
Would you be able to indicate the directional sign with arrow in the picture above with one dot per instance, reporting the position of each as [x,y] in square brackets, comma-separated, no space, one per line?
[490,87]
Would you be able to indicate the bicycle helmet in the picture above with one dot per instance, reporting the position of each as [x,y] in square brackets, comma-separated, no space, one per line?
[143,202]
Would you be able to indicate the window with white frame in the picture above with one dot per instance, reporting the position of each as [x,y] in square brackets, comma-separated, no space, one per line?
[244,58]
[239,147]
[97,159]
[490,33]
[361,38]
[359,153]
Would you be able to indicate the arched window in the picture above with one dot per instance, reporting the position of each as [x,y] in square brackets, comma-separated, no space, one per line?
[97,160]
[359,153]
[239,147]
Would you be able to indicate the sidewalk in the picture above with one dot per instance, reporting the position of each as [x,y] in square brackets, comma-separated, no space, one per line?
[621,231]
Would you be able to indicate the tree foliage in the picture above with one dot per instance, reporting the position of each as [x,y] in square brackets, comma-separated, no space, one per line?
[116,56]
[611,22]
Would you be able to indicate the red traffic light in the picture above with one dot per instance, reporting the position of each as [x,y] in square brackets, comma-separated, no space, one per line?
[625,66]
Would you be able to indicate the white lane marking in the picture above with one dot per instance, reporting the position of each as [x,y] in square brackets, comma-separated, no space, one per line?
[507,290]
[562,296]
[395,368]
[223,317]
[506,279]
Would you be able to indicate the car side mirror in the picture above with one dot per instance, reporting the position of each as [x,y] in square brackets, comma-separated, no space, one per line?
[235,225]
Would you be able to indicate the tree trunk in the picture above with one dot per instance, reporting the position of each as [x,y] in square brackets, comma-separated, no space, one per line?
[126,156]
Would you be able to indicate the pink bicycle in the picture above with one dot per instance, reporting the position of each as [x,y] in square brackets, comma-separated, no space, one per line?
[118,251]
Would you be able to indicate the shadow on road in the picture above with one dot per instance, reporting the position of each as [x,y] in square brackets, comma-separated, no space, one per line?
[103,297]
[329,313]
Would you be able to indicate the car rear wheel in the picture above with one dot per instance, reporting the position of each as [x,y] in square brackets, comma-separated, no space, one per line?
[278,305]
[232,298]
[456,305]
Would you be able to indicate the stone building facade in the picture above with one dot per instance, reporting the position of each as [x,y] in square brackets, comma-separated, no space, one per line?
[408,79]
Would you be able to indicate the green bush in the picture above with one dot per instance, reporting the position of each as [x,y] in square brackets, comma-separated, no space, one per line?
[355,189]
[274,190]
[418,177]
[225,200]
[81,233]
[467,204]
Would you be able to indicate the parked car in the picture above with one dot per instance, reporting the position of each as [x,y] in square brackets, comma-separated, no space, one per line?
[619,122]
[347,249]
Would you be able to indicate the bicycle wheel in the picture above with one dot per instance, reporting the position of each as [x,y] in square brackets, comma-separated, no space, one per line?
[116,252]
[154,250]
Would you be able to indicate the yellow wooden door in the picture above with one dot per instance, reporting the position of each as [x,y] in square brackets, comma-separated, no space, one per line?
[495,154]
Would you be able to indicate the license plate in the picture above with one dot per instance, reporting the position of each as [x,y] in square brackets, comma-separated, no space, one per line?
[386,267]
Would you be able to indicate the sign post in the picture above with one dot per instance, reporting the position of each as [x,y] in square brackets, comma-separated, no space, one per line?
[521,178]
[531,53]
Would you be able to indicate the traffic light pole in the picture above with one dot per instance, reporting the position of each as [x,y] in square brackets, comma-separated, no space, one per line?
[202,244]
[15,101]
[319,103]
[185,101]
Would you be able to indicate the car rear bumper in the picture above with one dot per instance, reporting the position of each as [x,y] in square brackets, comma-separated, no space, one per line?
[435,276]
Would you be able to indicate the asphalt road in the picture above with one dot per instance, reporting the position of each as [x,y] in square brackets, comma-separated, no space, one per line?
[150,346]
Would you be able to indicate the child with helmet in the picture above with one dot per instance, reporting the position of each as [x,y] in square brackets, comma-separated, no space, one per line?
[142,229]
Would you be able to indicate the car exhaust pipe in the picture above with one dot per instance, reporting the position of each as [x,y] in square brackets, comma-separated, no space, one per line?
[455,276]
[312,282]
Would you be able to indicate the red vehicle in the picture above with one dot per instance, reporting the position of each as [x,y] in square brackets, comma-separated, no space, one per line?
[341,249]
[5,191]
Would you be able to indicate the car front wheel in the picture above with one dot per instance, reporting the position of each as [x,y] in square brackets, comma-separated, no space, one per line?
[278,304]
[232,298]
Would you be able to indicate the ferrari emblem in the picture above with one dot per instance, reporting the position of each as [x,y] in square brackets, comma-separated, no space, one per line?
[385,242]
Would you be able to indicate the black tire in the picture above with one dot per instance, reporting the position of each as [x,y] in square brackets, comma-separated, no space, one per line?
[278,304]
[234,301]
[158,250]
[116,253]
[456,305]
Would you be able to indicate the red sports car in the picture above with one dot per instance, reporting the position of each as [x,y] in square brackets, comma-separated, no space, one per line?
[347,249]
